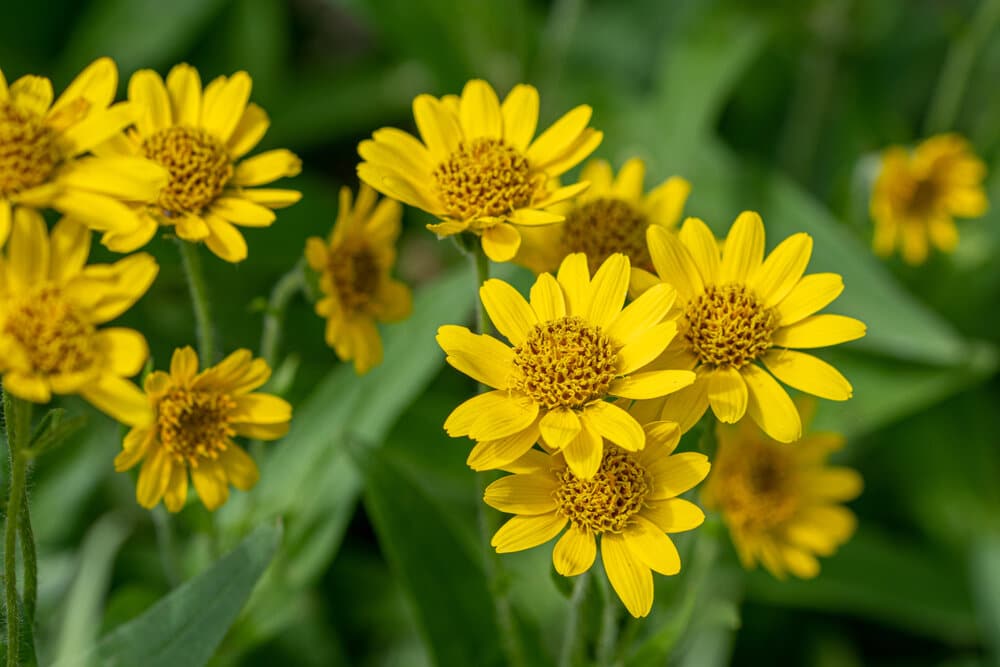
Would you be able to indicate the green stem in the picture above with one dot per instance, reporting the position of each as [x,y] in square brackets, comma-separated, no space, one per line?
[199,301]
[287,287]
[608,637]
[17,413]
[571,638]
[29,561]
[165,543]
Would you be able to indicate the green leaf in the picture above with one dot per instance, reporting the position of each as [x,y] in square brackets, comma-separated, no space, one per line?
[986,588]
[26,653]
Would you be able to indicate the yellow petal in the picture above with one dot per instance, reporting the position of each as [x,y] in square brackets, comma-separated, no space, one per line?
[744,249]
[651,384]
[800,563]
[461,419]
[175,496]
[28,251]
[134,448]
[608,290]
[129,178]
[819,331]
[520,116]
[500,242]
[534,217]
[223,106]
[575,552]
[242,212]
[651,546]
[662,437]
[704,249]
[665,202]
[674,515]
[559,427]
[642,281]
[506,417]
[500,453]
[439,128]
[574,277]
[6,220]
[184,86]
[554,197]
[399,147]
[261,431]
[241,471]
[225,240]
[584,452]
[676,474]
[261,409]
[32,388]
[125,350]
[184,364]
[645,348]
[523,494]
[575,153]
[272,197]
[481,357]
[97,84]
[154,476]
[210,483]
[782,269]
[809,374]
[674,263]
[248,131]
[628,185]
[146,90]
[555,141]
[727,394]
[640,316]
[98,127]
[479,111]
[118,398]
[811,294]
[632,581]
[267,167]
[509,312]
[32,93]
[770,406]
[834,484]
[547,298]
[525,532]
[615,424]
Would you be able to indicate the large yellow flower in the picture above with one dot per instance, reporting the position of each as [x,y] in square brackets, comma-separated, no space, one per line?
[573,347]
[478,169]
[611,216]
[739,312]
[630,503]
[42,147]
[354,265]
[50,308]
[781,502]
[917,196]
[200,137]
[189,425]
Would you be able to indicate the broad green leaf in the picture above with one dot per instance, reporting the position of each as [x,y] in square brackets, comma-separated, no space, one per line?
[986,589]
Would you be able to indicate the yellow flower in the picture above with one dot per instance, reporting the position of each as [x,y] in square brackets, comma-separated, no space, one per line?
[200,137]
[190,423]
[611,216]
[781,502]
[631,503]
[917,196]
[741,311]
[50,308]
[42,147]
[354,265]
[478,169]
[573,347]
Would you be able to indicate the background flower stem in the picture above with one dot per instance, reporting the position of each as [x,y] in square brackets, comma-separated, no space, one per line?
[17,416]
[199,301]
[288,286]
[571,637]
[29,559]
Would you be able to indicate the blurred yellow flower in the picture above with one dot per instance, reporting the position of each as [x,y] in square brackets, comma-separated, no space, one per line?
[917,196]
[200,137]
[354,265]
[42,147]
[50,307]
[611,216]
[573,347]
[478,169]
[740,311]
[781,502]
[630,502]
[189,425]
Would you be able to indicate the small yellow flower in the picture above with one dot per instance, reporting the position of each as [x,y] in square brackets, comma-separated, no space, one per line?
[630,502]
[190,421]
[200,136]
[478,169]
[611,216]
[741,311]
[917,196]
[42,147]
[354,265]
[781,502]
[573,347]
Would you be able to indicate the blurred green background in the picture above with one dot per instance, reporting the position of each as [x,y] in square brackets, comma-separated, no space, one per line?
[779,107]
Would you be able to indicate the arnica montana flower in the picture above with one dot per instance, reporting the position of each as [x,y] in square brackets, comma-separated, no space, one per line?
[478,169]
[42,147]
[573,347]
[630,503]
[200,138]
[50,307]
[354,265]
[611,216]
[781,502]
[918,195]
[189,425]
[741,311]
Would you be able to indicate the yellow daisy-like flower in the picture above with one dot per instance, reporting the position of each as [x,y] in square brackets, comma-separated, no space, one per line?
[478,169]
[611,216]
[573,347]
[200,138]
[917,196]
[630,502]
[740,311]
[42,147]
[781,502]
[354,265]
[51,305]
[190,421]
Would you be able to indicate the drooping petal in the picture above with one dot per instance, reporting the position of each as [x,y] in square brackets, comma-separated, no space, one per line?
[559,427]
[501,452]
[525,532]
[727,394]
[651,546]
[615,424]
[500,242]
[770,406]
[632,581]
[584,453]
[575,552]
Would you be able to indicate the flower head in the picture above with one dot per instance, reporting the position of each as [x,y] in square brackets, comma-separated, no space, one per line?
[741,312]
[189,425]
[477,168]
[51,306]
[200,137]
[630,503]
[917,196]
[354,265]
[573,347]
[611,216]
[781,502]
[43,146]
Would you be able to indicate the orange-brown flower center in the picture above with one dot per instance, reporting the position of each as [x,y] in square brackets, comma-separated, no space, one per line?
[55,338]
[605,502]
[603,227]
[756,487]
[727,327]
[195,425]
[565,363]
[923,199]
[355,275]
[29,151]
[199,166]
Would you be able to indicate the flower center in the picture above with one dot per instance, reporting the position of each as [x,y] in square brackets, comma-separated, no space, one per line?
[55,339]
[757,488]
[923,198]
[199,167]
[485,178]
[603,503]
[195,425]
[565,363]
[28,150]
[726,326]
[603,227]
[355,276]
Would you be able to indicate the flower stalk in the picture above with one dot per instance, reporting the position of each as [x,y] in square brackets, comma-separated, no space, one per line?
[199,301]
[17,415]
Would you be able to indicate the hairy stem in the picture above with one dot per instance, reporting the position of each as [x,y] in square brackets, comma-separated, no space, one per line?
[571,638]
[199,301]
[17,415]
